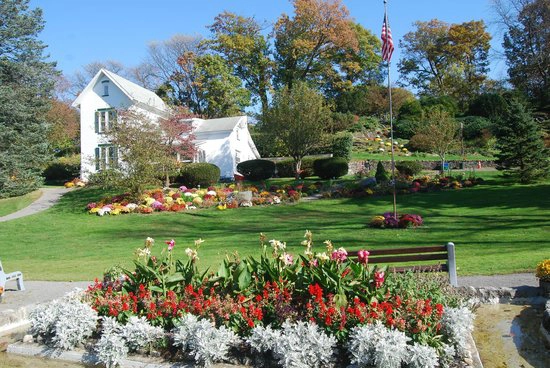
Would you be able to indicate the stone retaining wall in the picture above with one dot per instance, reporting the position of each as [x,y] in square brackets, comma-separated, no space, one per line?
[367,165]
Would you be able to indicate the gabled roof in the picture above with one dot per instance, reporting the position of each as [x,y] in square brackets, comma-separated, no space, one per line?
[136,93]
[216,125]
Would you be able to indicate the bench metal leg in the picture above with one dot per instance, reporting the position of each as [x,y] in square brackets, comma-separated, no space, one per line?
[20,284]
[451,264]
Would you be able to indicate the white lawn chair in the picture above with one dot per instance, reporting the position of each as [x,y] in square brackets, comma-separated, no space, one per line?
[5,277]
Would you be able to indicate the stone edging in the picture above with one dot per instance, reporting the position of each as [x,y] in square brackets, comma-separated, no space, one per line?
[545,324]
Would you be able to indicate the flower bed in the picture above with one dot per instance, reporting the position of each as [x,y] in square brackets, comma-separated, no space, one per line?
[183,198]
[369,186]
[389,221]
[318,309]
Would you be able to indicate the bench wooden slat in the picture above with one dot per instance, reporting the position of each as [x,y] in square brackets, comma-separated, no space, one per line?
[410,258]
[376,252]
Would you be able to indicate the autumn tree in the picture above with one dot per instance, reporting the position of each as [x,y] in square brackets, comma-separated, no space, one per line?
[526,44]
[522,151]
[63,128]
[297,118]
[446,59]
[26,84]
[239,40]
[437,133]
[321,44]
[177,139]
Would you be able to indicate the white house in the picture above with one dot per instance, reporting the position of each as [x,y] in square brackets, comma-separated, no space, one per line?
[224,142]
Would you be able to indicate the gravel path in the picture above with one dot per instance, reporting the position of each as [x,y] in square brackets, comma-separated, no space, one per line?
[49,197]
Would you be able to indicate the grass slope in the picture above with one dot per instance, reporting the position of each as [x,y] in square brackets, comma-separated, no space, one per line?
[10,205]
[497,228]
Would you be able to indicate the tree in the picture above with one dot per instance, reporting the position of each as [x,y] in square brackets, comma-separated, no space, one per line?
[297,118]
[446,59]
[148,149]
[163,62]
[247,51]
[177,138]
[63,128]
[26,83]
[522,152]
[437,133]
[307,43]
[526,44]
[81,78]
[211,90]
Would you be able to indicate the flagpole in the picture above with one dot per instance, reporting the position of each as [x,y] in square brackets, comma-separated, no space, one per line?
[391,123]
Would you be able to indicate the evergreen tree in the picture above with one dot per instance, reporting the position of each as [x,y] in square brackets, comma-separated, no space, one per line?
[26,81]
[522,151]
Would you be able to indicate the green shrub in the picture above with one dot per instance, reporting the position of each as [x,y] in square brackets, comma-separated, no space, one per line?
[410,168]
[256,169]
[381,173]
[195,174]
[107,179]
[63,169]
[330,168]
[285,168]
[342,144]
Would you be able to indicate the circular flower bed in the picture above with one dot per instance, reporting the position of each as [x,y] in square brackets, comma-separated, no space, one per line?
[389,221]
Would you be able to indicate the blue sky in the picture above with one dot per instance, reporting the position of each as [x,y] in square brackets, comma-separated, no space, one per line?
[78,32]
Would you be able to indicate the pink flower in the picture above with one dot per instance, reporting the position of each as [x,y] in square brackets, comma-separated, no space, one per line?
[378,278]
[171,244]
[363,256]
[339,255]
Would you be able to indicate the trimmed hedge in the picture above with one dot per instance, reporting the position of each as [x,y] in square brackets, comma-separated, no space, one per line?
[255,170]
[330,168]
[410,168]
[285,168]
[381,173]
[196,174]
[63,169]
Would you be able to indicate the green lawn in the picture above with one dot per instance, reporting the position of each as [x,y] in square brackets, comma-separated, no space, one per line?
[497,228]
[10,205]
[361,156]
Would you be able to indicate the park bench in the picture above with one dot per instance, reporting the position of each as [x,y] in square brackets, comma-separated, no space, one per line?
[5,277]
[421,255]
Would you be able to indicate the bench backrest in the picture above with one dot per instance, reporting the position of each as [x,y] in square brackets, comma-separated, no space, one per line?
[421,255]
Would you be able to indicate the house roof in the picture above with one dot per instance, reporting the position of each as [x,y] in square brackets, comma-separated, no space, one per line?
[135,92]
[216,125]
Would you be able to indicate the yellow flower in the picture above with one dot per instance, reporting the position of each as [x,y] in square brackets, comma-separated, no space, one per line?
[543,270]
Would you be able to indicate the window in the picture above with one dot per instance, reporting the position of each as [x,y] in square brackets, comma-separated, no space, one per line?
[200,156]
[105,84]
[104,120]
[237,157]
[106,157]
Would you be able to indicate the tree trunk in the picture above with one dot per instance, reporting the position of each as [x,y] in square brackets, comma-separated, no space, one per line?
[167,180]
[442,170]
[298,167]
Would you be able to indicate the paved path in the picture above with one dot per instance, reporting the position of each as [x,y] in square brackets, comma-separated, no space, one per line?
[48,198]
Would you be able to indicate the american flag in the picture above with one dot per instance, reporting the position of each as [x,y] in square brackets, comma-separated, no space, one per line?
[387,41]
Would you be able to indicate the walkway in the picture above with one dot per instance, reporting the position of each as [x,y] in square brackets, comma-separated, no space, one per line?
[49,197]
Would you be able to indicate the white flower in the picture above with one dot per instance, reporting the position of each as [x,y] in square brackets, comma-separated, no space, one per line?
[192,253]
[131,206]
[149,242]
[212,193]
[188,194]
[198,242]
[322,257]
[191,207]
[106,209]
[100,212]
[143,253]
[276,200]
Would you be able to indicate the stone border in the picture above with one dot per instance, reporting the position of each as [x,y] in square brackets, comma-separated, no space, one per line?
[545,324]
[85,357]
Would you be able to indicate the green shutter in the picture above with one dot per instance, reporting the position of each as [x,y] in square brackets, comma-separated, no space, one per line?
[97,121]
[97,158]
